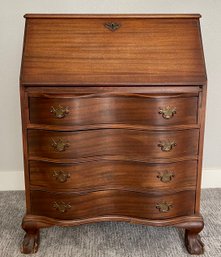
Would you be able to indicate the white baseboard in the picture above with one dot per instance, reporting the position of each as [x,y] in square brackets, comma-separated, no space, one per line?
[11,180]
[14,180]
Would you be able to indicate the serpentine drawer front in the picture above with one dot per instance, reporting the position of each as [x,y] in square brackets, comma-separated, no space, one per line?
[131,108]
[115,142]
[123,203]
[113,110]
[118,174]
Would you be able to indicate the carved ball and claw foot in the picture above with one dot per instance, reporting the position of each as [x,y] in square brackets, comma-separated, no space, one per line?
[31,239]
[193,242]
[30,243]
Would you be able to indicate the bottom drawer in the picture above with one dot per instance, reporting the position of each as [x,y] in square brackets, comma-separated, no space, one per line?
[112,202]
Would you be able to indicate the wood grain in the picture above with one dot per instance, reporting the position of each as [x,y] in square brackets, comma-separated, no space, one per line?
[111,202]
[142,51]
[97,175]
[113,108]
[181,222]
[137,144]
[41,91]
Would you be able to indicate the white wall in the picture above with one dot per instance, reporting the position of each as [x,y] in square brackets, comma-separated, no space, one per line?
[11,36]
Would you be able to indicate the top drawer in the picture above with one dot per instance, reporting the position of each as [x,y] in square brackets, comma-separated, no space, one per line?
[139,109]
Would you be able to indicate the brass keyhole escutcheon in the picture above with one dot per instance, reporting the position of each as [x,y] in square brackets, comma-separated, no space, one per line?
[167,112]
[164,207]
[167,146]
[61,176]
[60,145]
[112,25]
[166,176]
[60,111]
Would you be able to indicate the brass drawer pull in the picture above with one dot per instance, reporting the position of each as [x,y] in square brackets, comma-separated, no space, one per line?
[61,176]
[112,26]
[166,176]
[164,207]
[167,146]
[60,145]
[167,112]
[60,111]
[61,206]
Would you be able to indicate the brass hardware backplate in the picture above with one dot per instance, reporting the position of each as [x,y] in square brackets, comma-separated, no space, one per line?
[112,26]
[61,176]
[60,145]
[167,112]
[165,176]
[167,146]
[164,207]
[61,206]
[60,111]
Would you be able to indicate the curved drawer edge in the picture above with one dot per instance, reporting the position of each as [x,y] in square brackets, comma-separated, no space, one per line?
[83,191]
[44,221]
[128,126]
[96,158]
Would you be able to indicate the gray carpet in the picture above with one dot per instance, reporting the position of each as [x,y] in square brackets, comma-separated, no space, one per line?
[108,239]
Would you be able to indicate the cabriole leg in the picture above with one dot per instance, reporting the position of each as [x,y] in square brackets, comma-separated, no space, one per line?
[193,241]
[32,238]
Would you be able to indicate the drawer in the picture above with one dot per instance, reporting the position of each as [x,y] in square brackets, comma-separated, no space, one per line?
[109,108]
[104,174]
[111,202]
[133,144]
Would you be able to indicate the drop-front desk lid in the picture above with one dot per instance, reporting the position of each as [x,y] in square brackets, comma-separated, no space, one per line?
[112,50]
